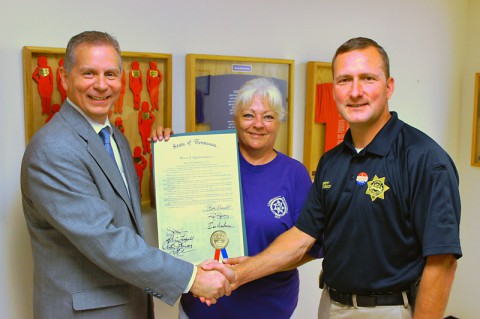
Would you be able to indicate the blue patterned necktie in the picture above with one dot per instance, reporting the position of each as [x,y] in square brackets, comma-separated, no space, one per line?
[105,135]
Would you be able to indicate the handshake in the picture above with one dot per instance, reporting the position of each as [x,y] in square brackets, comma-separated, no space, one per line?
[215,279]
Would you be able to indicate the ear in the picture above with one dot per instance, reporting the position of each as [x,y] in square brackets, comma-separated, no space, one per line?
[390,87]
[64,77]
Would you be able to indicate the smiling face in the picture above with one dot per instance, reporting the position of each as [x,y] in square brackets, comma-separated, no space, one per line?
[257,128]
[94,83]
[361,89]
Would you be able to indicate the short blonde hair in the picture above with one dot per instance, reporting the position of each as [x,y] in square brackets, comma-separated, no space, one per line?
[266,89]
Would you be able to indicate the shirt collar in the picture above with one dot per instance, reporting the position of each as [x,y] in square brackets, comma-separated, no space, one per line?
[382,142]
[96,126]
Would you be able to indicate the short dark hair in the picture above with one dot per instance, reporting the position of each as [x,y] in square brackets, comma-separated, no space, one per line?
[363,43]
[90,38]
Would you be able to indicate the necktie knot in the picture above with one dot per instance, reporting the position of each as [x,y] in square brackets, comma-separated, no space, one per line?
[105,135]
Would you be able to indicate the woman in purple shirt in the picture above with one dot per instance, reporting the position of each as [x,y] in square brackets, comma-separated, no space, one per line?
[274,188]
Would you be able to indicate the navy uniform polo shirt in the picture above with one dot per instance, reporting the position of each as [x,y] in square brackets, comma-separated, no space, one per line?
[383,210]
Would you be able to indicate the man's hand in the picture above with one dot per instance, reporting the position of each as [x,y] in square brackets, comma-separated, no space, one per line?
[160,133]
[235,260]
[286,251]
[210,285]
[215,266]
[226,269]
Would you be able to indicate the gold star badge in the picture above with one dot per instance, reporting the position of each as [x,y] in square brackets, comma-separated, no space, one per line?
[376,188]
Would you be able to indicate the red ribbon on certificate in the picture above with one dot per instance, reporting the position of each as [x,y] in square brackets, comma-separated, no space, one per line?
[217,254]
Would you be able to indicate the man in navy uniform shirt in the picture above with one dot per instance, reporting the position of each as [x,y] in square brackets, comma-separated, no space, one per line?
[385,203]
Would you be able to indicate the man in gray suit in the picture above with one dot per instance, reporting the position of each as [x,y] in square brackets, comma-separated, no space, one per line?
[82,205]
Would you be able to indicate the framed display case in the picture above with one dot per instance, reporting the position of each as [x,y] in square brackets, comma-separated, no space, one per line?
[314,134]
[146,98]
[212,82]
[476,124]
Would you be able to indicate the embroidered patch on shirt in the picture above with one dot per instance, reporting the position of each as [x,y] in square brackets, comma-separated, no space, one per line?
[377,188]
[278,206]
[326,185]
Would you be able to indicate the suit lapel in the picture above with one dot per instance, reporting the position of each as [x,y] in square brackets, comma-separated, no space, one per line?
[132,181]
[97,150]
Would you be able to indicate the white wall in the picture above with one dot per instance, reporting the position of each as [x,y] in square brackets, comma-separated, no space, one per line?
[434,51]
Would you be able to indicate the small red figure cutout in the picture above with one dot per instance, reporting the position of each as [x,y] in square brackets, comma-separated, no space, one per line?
[61,89]
[55,109]
[119,103]
[145,122]
[44,78]
[119,124]
[140,164]
[154,78]
[136,84]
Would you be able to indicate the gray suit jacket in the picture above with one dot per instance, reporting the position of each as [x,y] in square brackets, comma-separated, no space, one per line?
[90,260]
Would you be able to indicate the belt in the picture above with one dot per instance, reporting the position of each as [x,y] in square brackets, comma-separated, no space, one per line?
[371,300]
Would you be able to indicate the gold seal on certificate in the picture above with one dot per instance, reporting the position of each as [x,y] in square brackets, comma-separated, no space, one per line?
[219,239]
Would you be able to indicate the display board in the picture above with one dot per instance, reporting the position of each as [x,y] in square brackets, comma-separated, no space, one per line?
[314,133]
[212,82]
[476,124]
[145,101]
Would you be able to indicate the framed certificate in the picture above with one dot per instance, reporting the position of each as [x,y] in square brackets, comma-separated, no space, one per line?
[198,196]
[212,83]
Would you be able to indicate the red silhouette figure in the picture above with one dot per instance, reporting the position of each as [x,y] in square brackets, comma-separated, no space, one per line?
[61,89]
[326,112]
[145,122]
[119,103]
[55,109]
[136,84]
[44,78]
[154,78]
[140,164]
[119,124]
